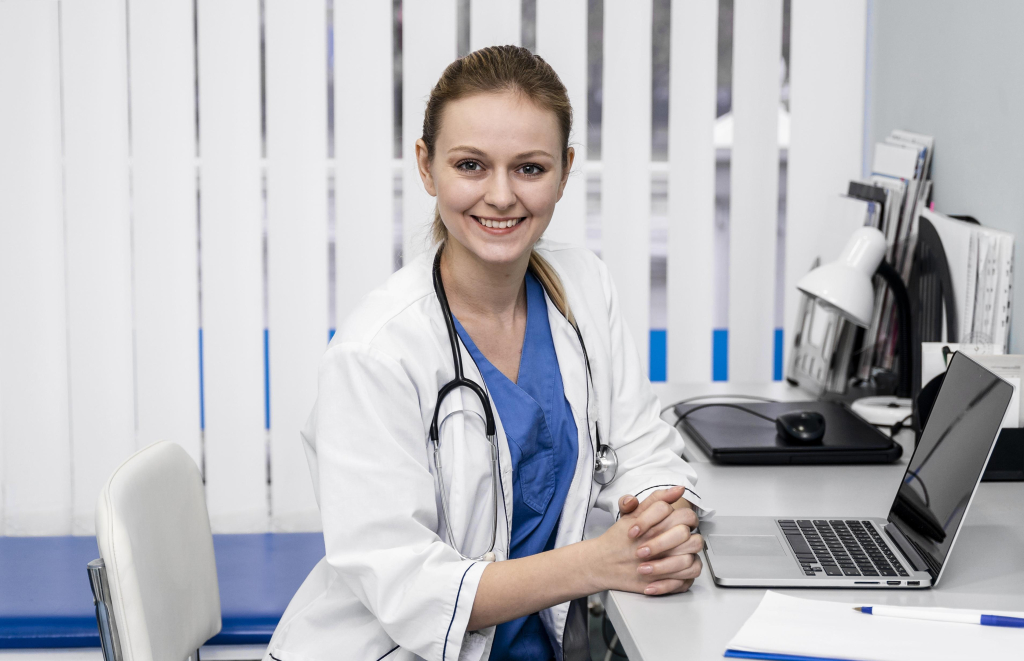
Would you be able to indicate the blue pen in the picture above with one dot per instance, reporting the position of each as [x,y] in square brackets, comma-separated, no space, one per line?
[962,617]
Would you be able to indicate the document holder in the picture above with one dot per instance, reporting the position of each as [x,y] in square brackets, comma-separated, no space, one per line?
[729,436]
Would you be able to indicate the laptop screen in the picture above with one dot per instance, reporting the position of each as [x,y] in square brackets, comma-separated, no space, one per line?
[947,464]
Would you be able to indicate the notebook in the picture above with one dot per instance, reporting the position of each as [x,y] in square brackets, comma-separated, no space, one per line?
[785,627]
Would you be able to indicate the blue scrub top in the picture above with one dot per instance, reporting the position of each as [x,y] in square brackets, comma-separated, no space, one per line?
[542,439]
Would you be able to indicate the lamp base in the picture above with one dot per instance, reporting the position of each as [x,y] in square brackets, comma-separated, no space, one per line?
[883,411]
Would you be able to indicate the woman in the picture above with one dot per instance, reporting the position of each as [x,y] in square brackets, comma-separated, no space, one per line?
[411,536]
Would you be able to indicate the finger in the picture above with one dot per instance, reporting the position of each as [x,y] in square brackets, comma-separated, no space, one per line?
[695,544]
[673,566]
[667,586]
[627,504]
[650,517]
[691,572]
[670,495]
[686,585]
[667,540]
[683,517]
[678,583]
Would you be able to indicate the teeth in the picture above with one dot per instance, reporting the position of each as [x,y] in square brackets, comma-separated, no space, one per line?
[498,224]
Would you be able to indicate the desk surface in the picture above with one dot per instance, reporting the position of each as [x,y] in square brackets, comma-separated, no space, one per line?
[986,569]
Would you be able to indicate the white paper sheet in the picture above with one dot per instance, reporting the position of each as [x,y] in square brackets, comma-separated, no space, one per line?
[808,627]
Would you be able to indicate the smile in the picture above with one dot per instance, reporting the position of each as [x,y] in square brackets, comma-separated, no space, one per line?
[498,223]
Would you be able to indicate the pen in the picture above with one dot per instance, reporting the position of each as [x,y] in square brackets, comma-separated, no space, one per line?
[963,617]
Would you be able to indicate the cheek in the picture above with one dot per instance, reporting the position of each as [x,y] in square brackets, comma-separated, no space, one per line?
[457,194]
[539,198]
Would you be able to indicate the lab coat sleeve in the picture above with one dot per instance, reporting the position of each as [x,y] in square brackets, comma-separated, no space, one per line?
[376,496]
[649,449]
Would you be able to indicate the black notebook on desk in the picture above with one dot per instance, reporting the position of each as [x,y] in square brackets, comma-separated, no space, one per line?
[729,436]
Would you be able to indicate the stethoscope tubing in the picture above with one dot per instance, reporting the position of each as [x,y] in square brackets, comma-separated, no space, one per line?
[605,458]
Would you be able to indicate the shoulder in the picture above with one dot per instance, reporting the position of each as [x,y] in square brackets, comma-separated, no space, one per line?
[583,274]
[574,264]
[403,301]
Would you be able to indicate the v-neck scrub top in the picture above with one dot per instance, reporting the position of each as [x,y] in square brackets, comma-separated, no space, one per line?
[542,439]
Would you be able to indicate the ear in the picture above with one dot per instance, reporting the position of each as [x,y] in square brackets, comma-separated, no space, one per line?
[570,157]
[423,165]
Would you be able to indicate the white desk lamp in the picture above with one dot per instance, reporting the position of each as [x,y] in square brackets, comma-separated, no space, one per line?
[844,286]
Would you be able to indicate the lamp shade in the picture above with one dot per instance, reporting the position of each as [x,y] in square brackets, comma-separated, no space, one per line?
[845,284]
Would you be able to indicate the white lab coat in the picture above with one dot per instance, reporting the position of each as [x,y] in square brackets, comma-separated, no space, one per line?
[390,585]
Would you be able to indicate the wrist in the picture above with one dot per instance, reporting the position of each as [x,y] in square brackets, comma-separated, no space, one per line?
[594,564]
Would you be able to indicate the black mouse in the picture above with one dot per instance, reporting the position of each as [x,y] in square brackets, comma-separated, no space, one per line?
[801,427]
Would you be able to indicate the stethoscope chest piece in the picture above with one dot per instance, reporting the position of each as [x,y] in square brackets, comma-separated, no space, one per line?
[606,465]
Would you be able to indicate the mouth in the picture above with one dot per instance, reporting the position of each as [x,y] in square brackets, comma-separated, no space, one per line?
[499,225]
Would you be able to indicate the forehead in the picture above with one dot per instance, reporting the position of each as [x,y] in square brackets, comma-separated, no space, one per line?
[498,122]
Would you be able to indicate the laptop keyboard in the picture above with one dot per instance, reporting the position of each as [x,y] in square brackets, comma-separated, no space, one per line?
[840,548]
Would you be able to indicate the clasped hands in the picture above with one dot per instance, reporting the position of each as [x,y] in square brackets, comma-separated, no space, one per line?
[651,548]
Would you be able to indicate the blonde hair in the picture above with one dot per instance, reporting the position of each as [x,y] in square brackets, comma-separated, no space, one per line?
[504,69]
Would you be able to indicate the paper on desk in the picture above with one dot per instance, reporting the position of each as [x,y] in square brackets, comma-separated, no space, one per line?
[808,627]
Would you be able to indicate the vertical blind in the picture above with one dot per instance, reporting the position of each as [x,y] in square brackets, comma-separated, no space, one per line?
[192,195]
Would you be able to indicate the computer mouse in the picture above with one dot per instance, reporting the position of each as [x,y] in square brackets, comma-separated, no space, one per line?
[801,427]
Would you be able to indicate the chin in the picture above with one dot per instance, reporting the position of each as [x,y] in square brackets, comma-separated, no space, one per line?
[500,249]
[499,255]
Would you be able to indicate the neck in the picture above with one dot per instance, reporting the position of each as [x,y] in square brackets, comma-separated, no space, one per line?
[478,289]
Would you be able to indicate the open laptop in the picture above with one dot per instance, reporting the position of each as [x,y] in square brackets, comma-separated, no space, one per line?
[909,548]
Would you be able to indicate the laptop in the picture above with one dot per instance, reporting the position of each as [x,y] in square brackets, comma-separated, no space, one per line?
[909,548]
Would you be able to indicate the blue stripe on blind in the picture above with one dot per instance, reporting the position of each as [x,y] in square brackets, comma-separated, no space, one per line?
[720,354]
[777,371]
[658,368]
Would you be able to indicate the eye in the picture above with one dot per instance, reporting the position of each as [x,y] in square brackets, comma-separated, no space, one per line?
[468,166]
[531,169]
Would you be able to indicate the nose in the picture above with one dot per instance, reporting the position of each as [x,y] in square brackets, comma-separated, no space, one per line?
[499,193]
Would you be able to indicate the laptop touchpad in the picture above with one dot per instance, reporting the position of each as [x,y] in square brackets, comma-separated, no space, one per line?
[745,545]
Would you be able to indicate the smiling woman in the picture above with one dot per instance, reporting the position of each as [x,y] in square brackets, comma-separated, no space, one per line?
[454,508]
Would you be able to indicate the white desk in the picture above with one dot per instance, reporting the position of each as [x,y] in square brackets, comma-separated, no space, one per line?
[986,569]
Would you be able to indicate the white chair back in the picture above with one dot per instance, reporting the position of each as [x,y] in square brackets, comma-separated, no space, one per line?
[154,537]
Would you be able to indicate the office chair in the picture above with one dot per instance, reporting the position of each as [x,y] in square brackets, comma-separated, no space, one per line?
[155,583]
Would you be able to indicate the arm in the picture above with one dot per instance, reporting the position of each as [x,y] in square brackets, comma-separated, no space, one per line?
[614,561]
[377,502]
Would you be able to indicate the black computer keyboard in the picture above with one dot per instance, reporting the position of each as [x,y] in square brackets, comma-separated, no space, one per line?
[840,548]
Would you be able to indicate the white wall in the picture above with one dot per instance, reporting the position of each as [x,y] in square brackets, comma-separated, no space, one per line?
[954,70]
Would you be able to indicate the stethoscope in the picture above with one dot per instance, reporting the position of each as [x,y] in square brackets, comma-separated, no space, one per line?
[606,462]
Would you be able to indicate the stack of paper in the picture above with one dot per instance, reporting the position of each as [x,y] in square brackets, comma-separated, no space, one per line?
[980,263]
[788,627]
[902,168]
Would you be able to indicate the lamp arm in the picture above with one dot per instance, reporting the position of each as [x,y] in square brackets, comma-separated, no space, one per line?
[903,330]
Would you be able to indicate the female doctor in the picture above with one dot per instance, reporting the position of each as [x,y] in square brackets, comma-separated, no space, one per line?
[453,513]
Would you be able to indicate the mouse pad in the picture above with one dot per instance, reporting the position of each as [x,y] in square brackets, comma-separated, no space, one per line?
[730,436]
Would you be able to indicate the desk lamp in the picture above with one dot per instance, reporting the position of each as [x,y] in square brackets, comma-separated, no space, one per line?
[844,286]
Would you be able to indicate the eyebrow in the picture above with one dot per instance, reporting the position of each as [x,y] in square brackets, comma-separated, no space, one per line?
[474,150]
